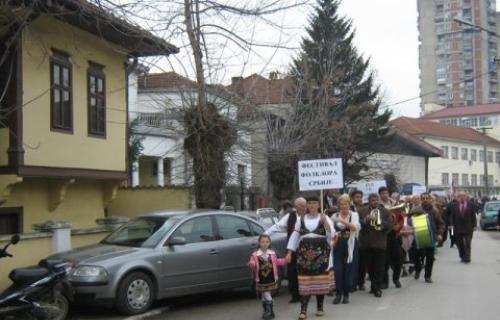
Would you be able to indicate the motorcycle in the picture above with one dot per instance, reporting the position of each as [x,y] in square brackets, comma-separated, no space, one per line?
[39,292]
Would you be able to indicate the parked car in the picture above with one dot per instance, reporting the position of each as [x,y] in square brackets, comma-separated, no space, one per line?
[265,216]
[489,215]
[166,254]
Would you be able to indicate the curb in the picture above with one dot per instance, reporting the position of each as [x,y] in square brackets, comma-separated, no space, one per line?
[149,314]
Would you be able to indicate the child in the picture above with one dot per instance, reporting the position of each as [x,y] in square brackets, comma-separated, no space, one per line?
[265,263]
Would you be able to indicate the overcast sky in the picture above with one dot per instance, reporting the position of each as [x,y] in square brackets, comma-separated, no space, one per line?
[386,32]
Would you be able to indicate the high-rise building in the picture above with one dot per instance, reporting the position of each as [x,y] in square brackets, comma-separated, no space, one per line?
[458,63]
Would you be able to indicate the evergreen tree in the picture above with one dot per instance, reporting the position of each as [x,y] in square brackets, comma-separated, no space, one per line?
[333,81]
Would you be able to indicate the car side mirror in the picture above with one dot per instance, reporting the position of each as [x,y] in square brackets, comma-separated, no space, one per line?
[15,239]
[176,241]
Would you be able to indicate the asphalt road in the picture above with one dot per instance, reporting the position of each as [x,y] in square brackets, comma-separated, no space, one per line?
[459,292]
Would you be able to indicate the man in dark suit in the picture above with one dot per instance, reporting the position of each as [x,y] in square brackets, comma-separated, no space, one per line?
[330,200]
[463,222]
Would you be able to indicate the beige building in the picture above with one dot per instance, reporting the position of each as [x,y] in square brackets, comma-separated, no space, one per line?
[457,63]
[462,161]
[63,135]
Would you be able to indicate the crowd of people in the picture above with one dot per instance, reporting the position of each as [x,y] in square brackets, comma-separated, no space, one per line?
[331,252]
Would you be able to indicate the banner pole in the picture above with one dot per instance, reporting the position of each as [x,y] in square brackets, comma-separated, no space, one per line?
[321,200]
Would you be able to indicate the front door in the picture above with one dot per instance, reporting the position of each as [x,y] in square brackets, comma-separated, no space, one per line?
[191,267]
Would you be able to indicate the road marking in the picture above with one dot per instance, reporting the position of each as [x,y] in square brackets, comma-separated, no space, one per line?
[149,314]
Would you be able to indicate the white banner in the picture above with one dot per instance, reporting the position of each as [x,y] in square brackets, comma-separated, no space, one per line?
[369,187]
[418,190]
[320,174]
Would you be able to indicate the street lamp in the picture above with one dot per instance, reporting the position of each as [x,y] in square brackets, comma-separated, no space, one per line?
[475,26]
[485,161]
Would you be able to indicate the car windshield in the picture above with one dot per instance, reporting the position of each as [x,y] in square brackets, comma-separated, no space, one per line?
[141,232]
[493,206]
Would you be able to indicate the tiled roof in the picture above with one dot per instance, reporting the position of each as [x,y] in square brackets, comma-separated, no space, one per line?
[167,80]
[425,128]
[260,90]
[455,112]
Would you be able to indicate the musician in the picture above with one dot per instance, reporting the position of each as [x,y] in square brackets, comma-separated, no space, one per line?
[463,222]
[427,253]
[394,259]
[287,224]
[385,200]
[376,222]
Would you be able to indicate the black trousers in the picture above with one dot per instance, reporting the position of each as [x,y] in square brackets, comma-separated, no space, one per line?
[426,254]
[394,257]
[361,267]
[293,281]
[463,242]
[375,265]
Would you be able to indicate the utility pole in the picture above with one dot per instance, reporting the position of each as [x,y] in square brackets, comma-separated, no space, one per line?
[485,161]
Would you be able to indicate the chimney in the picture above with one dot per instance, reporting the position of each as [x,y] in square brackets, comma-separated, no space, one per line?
[273,75]
[236,80]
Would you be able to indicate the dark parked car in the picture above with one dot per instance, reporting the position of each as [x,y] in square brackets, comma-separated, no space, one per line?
[166,254]
[489,215]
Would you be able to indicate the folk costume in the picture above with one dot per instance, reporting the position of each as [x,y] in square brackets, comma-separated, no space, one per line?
[426,252]
[287,224]
[345,252]
[311,240]
[265,266]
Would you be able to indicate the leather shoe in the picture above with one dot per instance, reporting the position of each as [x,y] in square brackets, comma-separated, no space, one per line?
[417,275]
[397,284]
[294,300]
[361,287]
[428,280]
[346,300]
[384,285]
[378,293]
[337,299]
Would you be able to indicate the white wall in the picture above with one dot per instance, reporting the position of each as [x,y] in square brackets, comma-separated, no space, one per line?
[406,168]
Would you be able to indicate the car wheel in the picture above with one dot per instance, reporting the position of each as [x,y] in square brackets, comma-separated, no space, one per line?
[135,294]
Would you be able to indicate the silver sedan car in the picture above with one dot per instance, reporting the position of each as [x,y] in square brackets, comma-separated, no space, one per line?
[164,255]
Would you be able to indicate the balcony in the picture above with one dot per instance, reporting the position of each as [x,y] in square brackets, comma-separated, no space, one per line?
[154,119]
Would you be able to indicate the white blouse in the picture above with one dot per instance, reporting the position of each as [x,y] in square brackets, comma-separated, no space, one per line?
[311,223]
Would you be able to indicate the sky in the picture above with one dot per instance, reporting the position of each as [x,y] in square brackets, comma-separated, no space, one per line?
[386,33]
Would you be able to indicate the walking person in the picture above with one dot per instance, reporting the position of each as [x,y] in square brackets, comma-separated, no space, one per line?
[394,258]
[463,223]
[376,221]
[265,265]
[311,240]
[360,277]
[346,226]
[287,224]
[427,252]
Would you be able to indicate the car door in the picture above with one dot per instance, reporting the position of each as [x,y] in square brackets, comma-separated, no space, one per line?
[236,243]
[191,267]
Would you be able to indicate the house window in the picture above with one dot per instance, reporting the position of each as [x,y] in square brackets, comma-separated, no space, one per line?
[445,151]
[490,180]
[61,95]
[242,174]
[11,220]
[473,179]
[455,179]
[465,153]
[445,179]
[465,179]
[96,100]
[454,153]
[497,157]
[490,156]
[481,156]
[481,180]
[473,155]
[167,170]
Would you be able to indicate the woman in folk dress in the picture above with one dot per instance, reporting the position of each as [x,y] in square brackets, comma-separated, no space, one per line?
[311,240]
[345,250]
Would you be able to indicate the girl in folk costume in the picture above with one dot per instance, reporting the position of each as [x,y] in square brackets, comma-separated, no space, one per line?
[311,240]
[265,264]
[346,225]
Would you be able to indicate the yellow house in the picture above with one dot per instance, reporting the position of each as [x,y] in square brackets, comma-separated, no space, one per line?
[63,109]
